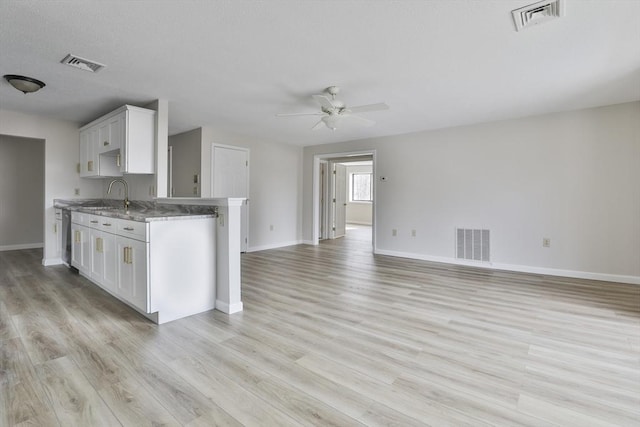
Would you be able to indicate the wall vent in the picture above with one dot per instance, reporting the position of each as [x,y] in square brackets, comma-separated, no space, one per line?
[472,244]
[82,63]
[537,13]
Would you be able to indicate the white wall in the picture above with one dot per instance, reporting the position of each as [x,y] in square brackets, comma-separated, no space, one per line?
[358,212]
[60,164]
[275,183]
[21,192]
[572,177]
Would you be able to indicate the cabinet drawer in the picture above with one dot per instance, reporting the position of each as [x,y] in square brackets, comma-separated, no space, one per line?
[92,221]
[58,214]
[134,229]
[109,225]
[80,218]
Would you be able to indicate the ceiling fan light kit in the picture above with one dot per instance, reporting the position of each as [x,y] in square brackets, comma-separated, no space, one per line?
[333,110]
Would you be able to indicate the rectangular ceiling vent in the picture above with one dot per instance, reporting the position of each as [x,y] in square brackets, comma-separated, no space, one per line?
[537,13]
[82,63]
[472,244]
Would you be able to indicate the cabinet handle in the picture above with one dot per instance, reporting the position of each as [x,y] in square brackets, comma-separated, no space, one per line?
[106,224]
[94,222]
[90,165]
[99,247]
[77,237]
[128,259]
[105,143]
[118,160]
[55,228]
[129,228]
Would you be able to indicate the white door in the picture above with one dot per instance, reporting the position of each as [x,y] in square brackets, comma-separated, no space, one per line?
[340,201]
[230,178]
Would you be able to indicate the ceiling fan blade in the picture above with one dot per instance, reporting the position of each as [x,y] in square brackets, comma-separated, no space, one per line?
[361,120]
[323,101]
[318,125]
[369,107]
[319,113]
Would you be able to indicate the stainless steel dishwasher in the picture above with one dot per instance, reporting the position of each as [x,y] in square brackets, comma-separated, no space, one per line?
[66,237]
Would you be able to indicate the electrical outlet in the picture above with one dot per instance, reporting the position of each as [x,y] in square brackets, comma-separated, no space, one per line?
[76,191]
[394,232]
[413,233]
[151,190]
[546,242]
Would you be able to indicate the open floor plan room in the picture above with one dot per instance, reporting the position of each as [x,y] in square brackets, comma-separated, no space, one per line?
[330,335]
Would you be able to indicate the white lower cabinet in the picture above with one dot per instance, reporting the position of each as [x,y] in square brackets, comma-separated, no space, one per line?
[110,259]
[81,248]
[164,269]
[57,228]
[133,264]
[103,259]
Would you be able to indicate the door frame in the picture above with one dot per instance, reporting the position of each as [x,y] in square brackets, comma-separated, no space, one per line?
[334,188]
[244,245]
[343,156]
[323,200]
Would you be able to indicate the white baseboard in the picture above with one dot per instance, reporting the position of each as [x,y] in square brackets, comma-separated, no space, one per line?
[358,223]
[274,246]
[309,242]
[21,247]
[51,261]
[634,280]
[228,308]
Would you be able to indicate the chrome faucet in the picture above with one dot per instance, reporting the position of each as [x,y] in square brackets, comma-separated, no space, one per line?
[126,191]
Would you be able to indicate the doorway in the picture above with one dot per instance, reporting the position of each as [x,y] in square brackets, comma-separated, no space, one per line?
[344,196]
[230,178]
[22,191]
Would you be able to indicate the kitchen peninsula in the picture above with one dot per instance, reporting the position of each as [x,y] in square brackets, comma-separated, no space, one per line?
[167,259]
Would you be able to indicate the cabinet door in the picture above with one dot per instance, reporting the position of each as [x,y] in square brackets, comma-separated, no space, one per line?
[97,257]
[110,262]
[86,249]
[85,152]
[76,245]
[132,272]
[104,139]
[81,248]
[59,238]
[137,151]
[89,160]
[116,131]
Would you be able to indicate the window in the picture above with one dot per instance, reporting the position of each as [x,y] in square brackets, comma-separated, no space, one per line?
[361,187]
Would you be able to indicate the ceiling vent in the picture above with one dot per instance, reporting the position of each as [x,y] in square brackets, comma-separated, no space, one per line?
[82,63]
[537,13]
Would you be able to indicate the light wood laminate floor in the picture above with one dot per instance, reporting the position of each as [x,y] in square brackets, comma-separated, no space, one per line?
[330,335]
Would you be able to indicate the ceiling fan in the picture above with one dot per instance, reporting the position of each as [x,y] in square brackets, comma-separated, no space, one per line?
[333,110]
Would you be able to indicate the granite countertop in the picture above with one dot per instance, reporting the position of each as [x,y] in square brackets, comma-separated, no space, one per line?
[142,211]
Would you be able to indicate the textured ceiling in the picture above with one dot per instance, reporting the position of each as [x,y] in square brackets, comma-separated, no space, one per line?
[235,64]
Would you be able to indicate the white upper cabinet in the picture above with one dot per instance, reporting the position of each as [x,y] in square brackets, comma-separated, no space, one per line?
[120,142]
